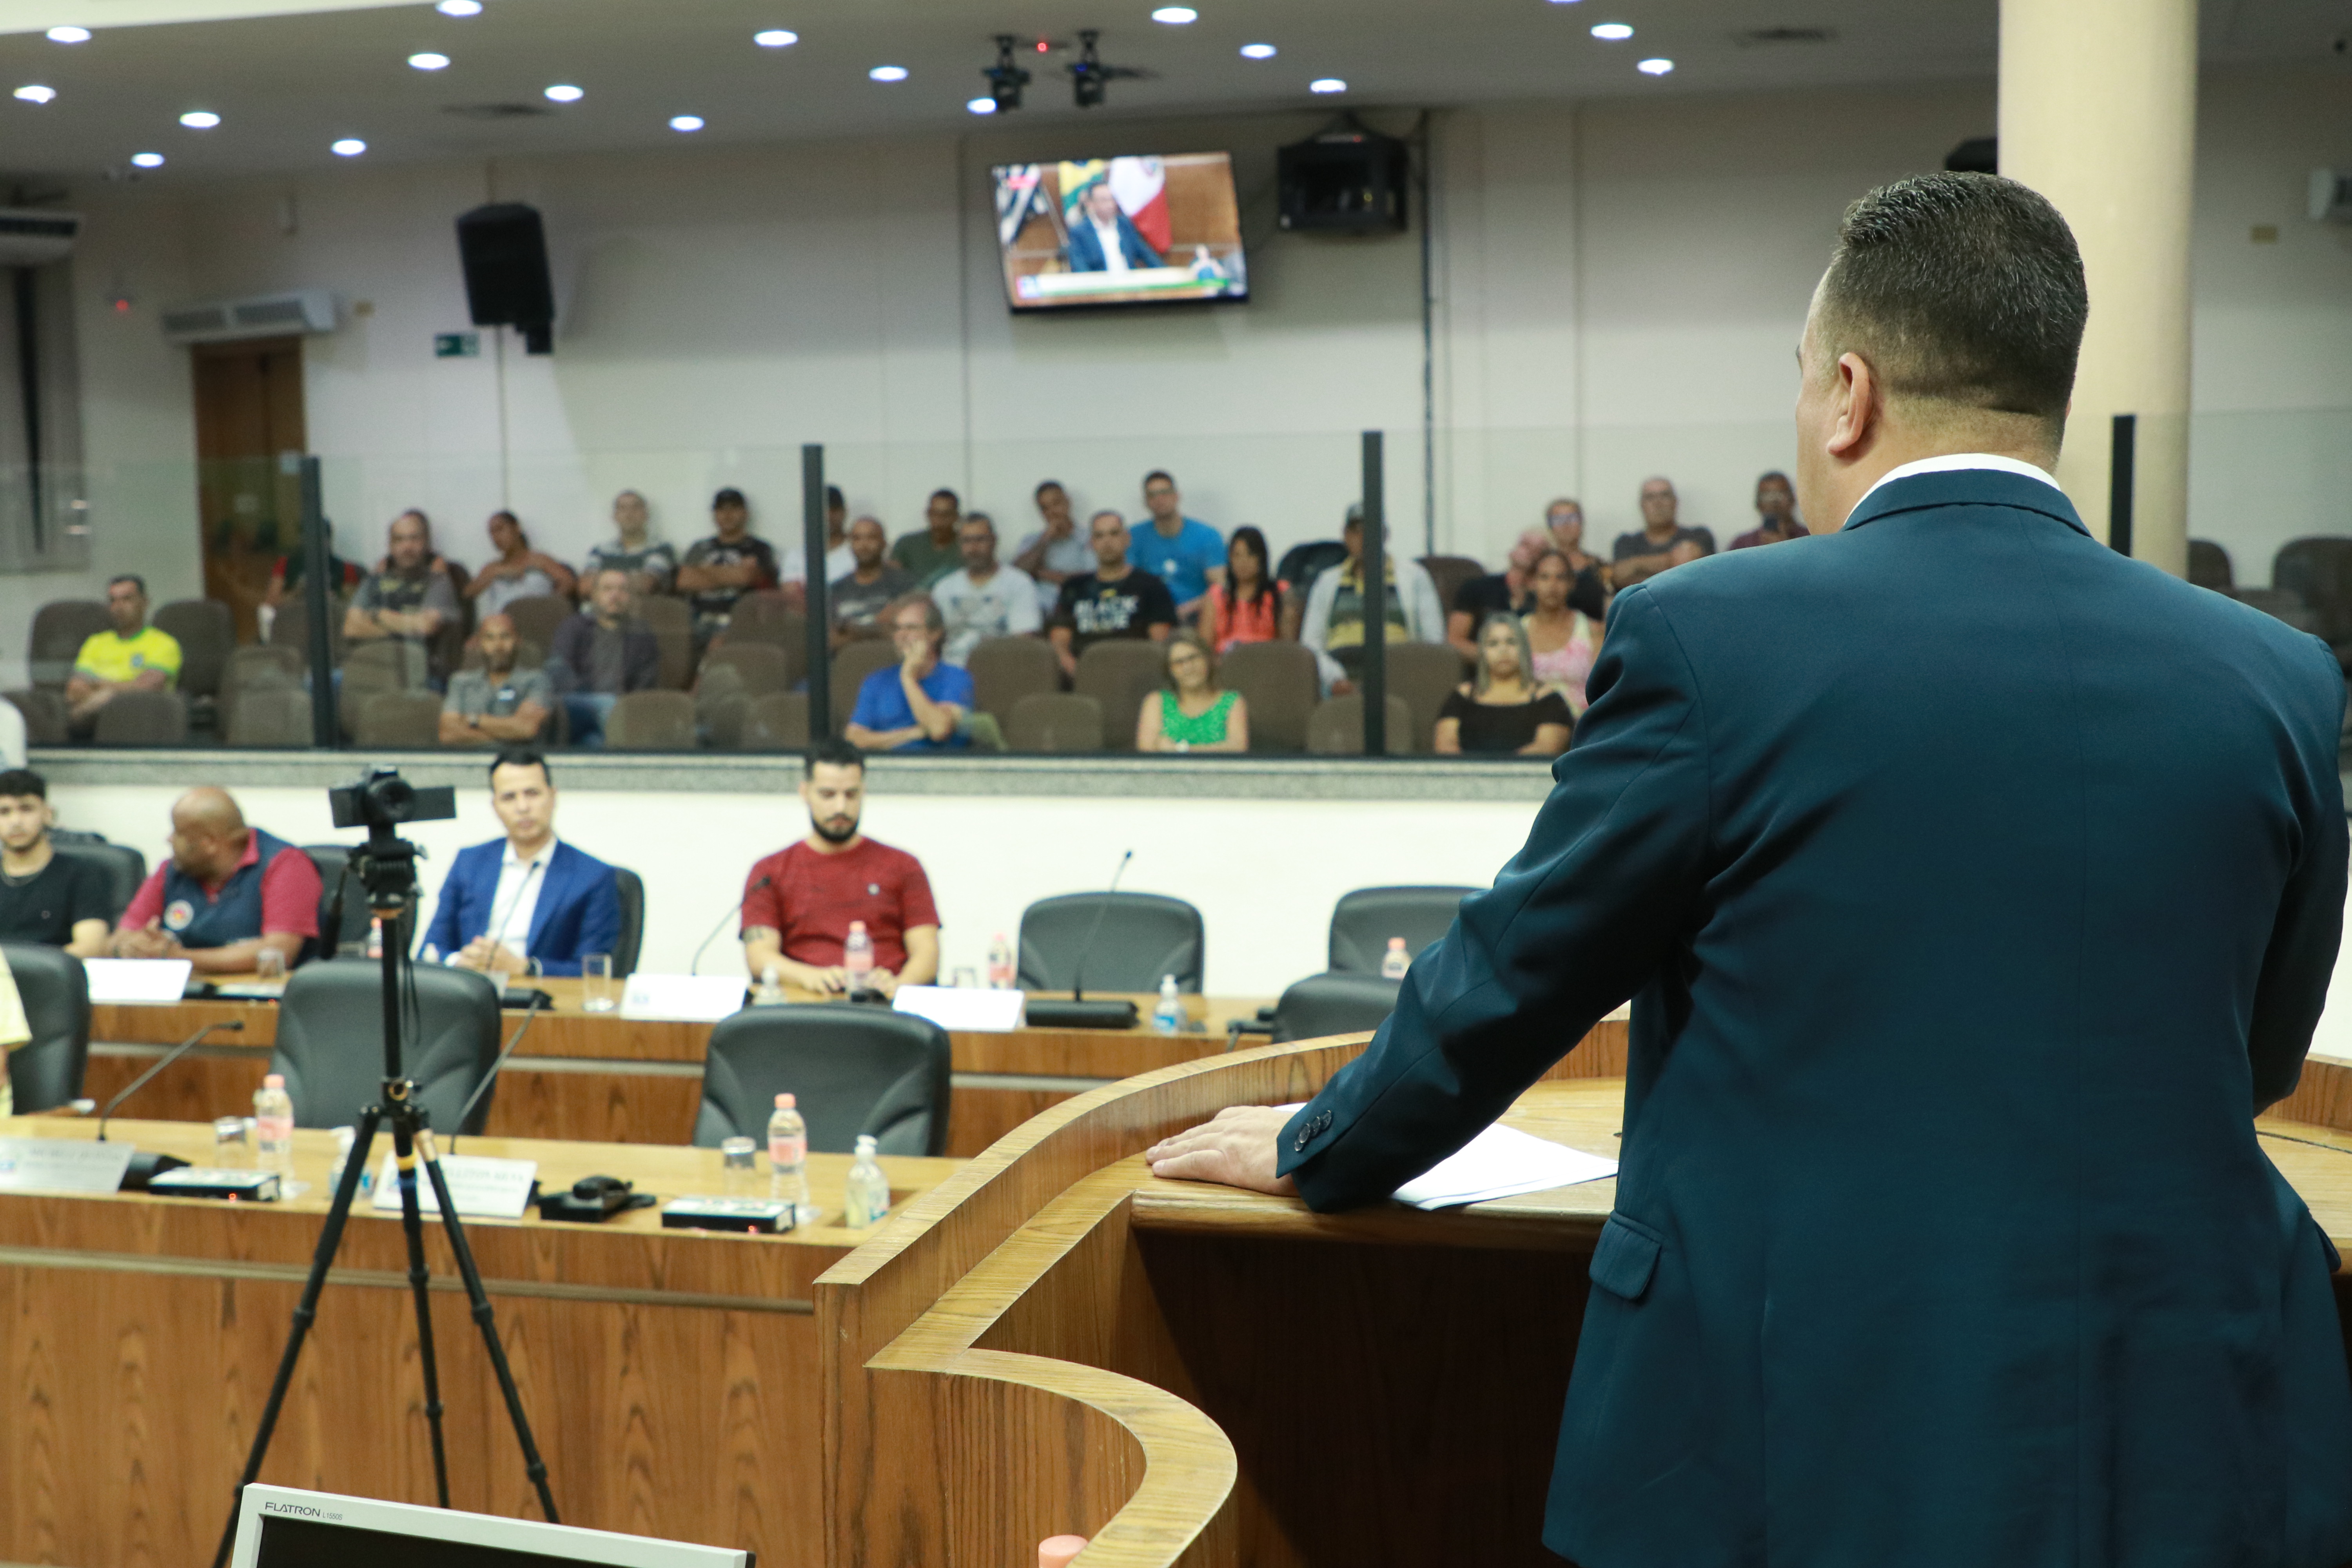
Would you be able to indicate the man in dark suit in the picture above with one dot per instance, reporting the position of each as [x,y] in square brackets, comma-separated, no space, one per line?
[529,903]
[1966,935]
[1102,239]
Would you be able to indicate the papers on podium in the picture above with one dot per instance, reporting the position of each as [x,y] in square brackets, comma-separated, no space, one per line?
[1500,1162]
[953,1007]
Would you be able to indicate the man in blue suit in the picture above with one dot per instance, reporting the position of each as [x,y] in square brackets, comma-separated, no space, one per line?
[1102,239]
[1966,933]
[529,904]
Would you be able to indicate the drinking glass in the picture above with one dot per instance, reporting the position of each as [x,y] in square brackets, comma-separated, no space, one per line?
[269,964]
[963,979]
[230,1151]
[739,1173]
[597,991]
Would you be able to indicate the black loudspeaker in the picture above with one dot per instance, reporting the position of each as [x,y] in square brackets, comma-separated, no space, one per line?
[1349,181]
[503,249]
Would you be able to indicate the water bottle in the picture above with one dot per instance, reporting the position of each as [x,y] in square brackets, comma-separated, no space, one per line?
[1396,961]
[1169,1016]
[770,992]
[788,1155]
[866,1197]
[273,1128]
[1000,964]
[375,936]
[857,956]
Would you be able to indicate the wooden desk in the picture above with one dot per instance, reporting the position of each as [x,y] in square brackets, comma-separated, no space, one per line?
[597,1076]
[1053,1341]
[672,1377]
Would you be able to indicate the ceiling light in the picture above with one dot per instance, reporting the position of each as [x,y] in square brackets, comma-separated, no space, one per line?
[429,61]
[200,119]
[147,160]
[1326,84]
[1612,32]
[1257,51]
[1175,15]
[981,105]
[68,35]
[459,7]
[686,122]
[1654,67]
[349,147]
[34,92]
[564,92]
[775,38]
[888,73]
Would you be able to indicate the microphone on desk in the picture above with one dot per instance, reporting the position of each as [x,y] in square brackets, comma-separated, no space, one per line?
[148,1165]
[696,967]
[1078,973]
[537,1000]
[1078,1013]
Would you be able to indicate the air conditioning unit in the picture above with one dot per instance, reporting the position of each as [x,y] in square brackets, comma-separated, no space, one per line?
[33,236]
[2331,197]
[262,316]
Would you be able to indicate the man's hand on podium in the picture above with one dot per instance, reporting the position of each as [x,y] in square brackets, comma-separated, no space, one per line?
[1236,1150]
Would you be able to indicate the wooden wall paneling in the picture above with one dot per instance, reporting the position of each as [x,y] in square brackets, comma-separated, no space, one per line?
[2322,1097]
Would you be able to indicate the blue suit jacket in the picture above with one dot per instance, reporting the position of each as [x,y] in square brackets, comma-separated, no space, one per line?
[1974,886]
[578,913]
[1086,251]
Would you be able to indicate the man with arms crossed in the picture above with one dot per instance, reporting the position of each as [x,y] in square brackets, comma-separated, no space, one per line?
[497,705]
[228,891]
[798,903]
[1943,1237]
[56,900]
[530,903]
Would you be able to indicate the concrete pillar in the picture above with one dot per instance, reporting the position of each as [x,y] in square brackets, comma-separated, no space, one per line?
[2098,113]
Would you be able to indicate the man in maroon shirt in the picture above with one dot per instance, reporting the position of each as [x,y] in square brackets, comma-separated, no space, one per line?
[798,903]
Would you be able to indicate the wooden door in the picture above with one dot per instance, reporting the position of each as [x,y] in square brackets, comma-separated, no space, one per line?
[250,438]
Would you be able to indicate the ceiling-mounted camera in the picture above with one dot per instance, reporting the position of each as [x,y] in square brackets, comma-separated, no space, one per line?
[1089,78]
[1005,79]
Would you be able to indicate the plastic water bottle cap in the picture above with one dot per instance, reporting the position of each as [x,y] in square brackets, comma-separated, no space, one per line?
[275,1080]
[785,1102]
[1395,942]
[857,928]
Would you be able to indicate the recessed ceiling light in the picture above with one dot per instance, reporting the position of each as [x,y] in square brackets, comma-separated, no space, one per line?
[1257,51]
[429,61]
[981,105]
[34,92]
[147,160]
[776,39]
[459,7]
[200,119]
[68,35]
[564,92]
[888,73]
[1326,84]
[686,122]
[1654,67]
[1612,32]
[349,147]
[1175,15]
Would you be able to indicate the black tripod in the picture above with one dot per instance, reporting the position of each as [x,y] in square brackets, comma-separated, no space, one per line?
[387,868]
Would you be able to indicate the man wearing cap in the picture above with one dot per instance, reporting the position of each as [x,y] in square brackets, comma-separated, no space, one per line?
[721,569]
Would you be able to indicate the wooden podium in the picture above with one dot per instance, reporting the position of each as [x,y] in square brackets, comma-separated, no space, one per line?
[1052,1341]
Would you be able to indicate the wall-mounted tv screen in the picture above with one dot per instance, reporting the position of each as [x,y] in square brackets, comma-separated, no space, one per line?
[1119,231]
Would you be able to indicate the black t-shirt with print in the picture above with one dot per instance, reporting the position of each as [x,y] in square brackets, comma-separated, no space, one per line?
[1097,611]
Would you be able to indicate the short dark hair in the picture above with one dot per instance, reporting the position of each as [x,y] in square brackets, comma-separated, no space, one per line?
[19,782]
[1044,485]
[730,495]
[954,499]
[1160,473]
[132,578]
[833,753]
[1965,289]
[516,757]
[833,499]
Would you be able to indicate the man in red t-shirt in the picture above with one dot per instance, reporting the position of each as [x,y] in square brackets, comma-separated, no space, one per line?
[798,902]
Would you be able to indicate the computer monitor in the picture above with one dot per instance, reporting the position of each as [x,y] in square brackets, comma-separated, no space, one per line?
[279,1526]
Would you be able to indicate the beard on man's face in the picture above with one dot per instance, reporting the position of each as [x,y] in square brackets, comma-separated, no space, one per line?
[838,828]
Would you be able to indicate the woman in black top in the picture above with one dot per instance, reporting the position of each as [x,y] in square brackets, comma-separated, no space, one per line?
[1501,711]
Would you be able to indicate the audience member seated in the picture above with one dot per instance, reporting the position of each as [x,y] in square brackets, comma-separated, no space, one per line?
[1776,510]
[1199,715]
[600,655]
[839,562]
[132,656]
[1562,641]
[798,903]
[1246,606]
[918,704]
[927,556]
[983,600]
[1057,552]
[1116,599]
[516,571]
[1333,626]
[1663,542]
[14,735]
[1502,593]
[459,579]
[721,569]
[55,901]
[1564,524]
[1501,711]
[228,891]
[497,705]
[651,563]
[407,599]
[856,601]
[1182,551]
[285,580]
[529,903]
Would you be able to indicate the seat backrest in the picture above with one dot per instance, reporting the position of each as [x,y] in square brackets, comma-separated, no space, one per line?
[1005,669]
[1335,727]
[124,867]
[45,721]
[672,623]
[851,666]
[776,722]
[343,913]
[270,718]
[206,632]
[651,722]
[403,720]
[762,668]
[1362,921]
[2209,566]
[1054,721]
[1302,563]
[1424,674]
[1142,936]
[47,1072]
[536,619]
[387,664]
[137,718]
[1324,1005]
[850,1069]
[1448,572]
[59,629]
[1120,674]
[2320,570]
[1277,679]
[257,667]
[630,890]
[331,1042]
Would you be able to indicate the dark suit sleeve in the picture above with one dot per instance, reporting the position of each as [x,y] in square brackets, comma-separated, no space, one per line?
[1138,249]
[1602,897]
[444,933]
[600,918]
[2301,958]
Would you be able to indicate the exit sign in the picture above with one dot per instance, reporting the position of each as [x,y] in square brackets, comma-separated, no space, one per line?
[456,345]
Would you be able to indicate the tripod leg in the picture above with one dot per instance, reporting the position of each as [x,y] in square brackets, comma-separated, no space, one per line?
[533,1465]
[420,1280]
[306,1312]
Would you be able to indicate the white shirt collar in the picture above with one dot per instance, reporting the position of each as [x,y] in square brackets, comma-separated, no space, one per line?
[1955,463]
[509,859]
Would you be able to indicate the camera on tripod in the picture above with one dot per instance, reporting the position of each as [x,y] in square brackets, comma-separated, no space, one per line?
[383,800]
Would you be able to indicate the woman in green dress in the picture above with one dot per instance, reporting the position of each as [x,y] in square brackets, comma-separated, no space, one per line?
[1197,716]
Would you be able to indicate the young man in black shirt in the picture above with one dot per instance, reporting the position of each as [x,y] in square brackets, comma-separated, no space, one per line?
[56,900]
[1114,600]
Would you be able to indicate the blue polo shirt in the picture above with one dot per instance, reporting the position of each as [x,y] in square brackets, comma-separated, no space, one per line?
[882,703]
[1182,563]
